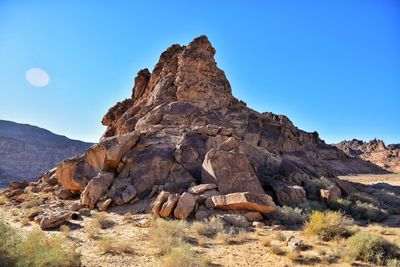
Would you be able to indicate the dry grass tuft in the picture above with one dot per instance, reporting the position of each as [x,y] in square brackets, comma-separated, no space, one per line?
[266,241]
[277,250]
[169,237]
[370,248]
[113,246]
[104,221]
[327,225]
[3,200]
[209,227]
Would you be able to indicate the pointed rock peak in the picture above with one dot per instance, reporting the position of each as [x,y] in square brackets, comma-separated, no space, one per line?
[141,80]
[201,43]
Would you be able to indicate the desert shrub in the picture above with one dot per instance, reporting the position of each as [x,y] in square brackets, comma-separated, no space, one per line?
[368,211]
[36,249]
[170,239]
[9,242]
[312,205]
[290,216]
[92,229]
[167,234]
[39,250]
[32,203]
[371,248]
[327,225]
[359,210]
[3,200]
[182,256]
[279,236]
[393,263]
[277,250]
[111,245]
[209,227]
[266,241]
[104,221]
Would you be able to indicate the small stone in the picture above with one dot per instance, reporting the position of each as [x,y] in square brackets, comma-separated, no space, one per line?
[103,205]
[236,220]
[198,189]
[85,212]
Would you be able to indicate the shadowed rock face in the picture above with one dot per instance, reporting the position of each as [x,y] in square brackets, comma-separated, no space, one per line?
[27,151]
[183,127]
[375,151]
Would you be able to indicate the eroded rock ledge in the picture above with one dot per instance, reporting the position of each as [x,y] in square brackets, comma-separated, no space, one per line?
[183,136]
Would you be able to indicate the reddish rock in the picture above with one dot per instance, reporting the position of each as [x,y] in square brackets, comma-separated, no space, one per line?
[198,189]
[245,201]
[96,188]
[158,203]
[168,207]
[185,206]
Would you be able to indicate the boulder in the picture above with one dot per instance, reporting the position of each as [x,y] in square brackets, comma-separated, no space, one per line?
[201,188]
[103,205]
[210,193]
[289,195]
[262,203]
[96,188]
[295,244]
[157,204]
[346,187]
[33,215]
[202,213]
[331,194]
[76,207]
[236,220]
[64,194]
[129,193]
[168,207]
[185,206]
[54,220]
[253,216]
[75,173]
[85,212]
[231,171]
[18,185]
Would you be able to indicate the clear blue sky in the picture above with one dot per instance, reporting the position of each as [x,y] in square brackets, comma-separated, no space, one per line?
[330,66]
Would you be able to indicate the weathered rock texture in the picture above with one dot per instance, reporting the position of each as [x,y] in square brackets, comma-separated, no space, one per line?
[27,151]
[375,151]
[182,127]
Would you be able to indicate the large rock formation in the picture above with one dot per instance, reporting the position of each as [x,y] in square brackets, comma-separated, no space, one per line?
[27,151]
[375,151]
[182,127]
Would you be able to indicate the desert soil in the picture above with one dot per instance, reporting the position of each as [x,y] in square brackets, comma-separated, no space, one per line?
[249,251]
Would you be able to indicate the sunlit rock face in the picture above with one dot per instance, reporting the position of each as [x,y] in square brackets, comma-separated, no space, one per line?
[182,127]
[375,151]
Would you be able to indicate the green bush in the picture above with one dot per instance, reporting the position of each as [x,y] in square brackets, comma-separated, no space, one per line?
[359,210]
[290,216]
[327,225]
[9,242]
[36,249]
[371,248]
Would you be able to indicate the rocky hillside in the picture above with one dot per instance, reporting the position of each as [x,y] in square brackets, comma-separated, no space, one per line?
[375,151]
[184,136]
[28,151]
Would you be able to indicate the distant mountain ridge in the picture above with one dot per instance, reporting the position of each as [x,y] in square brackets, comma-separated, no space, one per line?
[375,151]
[27,151]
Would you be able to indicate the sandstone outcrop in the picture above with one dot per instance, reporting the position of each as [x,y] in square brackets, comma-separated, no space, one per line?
[183,134]
[375,151]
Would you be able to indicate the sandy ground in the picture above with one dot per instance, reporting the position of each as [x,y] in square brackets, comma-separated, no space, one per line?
[248,252]
[393,179]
